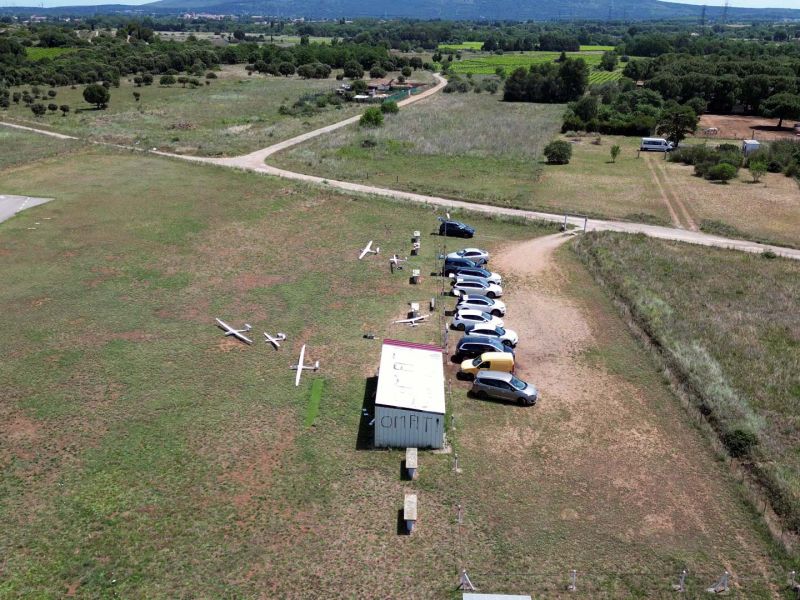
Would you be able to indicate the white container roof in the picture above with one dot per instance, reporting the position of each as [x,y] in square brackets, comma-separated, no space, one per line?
[411,377]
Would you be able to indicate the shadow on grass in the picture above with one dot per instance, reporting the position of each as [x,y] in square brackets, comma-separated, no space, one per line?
[401,523]
[365,439]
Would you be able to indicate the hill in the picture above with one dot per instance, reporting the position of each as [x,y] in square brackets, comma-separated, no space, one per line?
[542,10]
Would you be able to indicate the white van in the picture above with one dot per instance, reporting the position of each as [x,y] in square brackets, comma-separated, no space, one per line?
[656,144]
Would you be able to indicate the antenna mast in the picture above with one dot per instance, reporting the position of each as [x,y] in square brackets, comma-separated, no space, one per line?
[725,12]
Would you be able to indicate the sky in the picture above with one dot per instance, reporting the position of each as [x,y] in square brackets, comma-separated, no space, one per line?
[748,3]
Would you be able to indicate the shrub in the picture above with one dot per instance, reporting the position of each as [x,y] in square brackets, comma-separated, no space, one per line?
[739,442]
[615,150]
[377,72]
[372,117]
[166,80]
[757,169]
[721,172]
[211,75]
[558,152]
[390,108]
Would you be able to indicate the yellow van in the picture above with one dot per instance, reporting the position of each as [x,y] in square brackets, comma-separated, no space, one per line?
[494,361]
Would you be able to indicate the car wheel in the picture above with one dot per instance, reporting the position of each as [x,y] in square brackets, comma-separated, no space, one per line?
[490,295]
[461,327]
[497,313]
[507,344]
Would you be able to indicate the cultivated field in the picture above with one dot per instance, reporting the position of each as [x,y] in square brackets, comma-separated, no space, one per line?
[730,323]
[236,114]
[36,53]
[476,46]
[470,146]
[20,147]
[487,63]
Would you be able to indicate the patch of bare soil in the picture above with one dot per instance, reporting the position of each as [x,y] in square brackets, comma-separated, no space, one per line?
[744,127]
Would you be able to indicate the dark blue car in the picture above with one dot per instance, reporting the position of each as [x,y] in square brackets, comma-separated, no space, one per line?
[456,229]
[452,265]
[471,346]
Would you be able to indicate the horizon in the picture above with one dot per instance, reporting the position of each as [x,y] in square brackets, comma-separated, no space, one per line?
[792,4]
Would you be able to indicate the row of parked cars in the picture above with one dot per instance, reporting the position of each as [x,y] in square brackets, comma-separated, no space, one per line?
[486,351]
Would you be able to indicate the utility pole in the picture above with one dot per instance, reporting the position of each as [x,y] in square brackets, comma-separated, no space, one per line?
[725,12]
[703,19]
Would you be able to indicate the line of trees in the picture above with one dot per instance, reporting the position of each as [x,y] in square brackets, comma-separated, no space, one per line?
[548,82]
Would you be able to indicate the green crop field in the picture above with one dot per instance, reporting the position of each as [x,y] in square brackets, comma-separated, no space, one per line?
[462,46]
[36,53]
[597,77]
[486,64]
[597,48]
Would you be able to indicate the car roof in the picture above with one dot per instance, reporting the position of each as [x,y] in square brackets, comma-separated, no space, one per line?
[471,297]
[472,311]
[473,279]
[497,356]
[485,327]
[502,375]
[476,339]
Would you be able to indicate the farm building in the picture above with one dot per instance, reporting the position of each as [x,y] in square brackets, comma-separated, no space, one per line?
[409,404]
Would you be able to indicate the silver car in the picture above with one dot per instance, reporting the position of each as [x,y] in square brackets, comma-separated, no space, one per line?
[480,286]
[503,386]
[476,254]
[466,319]
[484,303]
[509,337]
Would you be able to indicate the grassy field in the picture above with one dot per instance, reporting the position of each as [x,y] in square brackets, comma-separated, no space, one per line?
[478,45]
[730,323]
[29,147]
[461,145]
[142,454]
[35,52]
[236,114]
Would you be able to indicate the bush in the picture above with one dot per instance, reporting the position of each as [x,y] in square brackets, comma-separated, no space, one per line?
[372,117]
[739,442]
[377,72]
[757,169]
[558,152]
[166,80]
[721,172]
[390,107]
[211,75]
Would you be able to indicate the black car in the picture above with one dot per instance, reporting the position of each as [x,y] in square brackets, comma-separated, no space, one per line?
[472,346]
[456,229]
[453,265]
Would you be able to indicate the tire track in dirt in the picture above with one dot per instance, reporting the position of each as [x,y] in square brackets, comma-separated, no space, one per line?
[671,199]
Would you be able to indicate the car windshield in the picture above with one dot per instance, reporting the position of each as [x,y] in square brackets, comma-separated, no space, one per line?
[476,362]
[499,331]
[518,383]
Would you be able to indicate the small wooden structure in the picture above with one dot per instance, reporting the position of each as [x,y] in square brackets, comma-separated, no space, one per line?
[415,276]
[416,243]
[410,512]
[411,463]
[414,312]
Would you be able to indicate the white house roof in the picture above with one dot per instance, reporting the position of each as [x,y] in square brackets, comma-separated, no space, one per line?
[411,377]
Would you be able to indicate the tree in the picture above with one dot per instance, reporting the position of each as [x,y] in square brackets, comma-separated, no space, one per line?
[286,69]
[16,97]
[722,172]
[51,93]
[147,78]
[782,106]
[52,107]
[757,169]
[211,75]
[64,108]
[353,69]
[389,107]
[615,150]
[136,96]
[166,80]
[38,109]
[609,61]
[97,95]
[406,71]
[372,117]
[676,121]
[138,81]
[377,72]
[558,152]
[183,80]
[586,108]
[238,35]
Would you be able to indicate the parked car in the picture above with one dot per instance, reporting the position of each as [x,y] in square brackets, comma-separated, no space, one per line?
[656,144]
[478,272]
[508,336]
[452,265]
[484,303]
[470,347]
[456,229]
[478,286]
[488,361]
[468,318]
[475,254]
[504,386]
